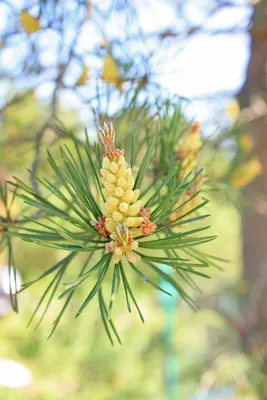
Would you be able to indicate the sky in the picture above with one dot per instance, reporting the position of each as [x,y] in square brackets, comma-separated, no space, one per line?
[208,63]
[200,66]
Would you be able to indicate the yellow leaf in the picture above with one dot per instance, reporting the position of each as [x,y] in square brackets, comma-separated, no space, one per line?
[246,173]
[84,76]
[110,72]
[29,23]
[246,143]
[233,109]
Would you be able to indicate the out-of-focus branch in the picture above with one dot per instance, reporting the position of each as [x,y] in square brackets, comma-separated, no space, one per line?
[17,140]
[52,113]
[17,221]
[38,141]
[17,99]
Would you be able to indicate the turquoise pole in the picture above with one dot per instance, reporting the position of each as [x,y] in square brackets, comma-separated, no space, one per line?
[171,363]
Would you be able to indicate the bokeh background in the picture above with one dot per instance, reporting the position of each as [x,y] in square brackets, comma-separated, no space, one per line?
[81,62]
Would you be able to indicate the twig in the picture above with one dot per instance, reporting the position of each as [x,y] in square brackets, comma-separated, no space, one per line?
[18,221]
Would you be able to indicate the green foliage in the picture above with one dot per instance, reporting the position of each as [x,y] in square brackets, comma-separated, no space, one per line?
[67,204]
[71,365]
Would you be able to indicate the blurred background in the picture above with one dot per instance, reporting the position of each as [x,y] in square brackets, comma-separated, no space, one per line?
[82,62]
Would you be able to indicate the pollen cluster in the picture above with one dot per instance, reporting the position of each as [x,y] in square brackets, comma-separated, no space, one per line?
[190,203]
[187,151]
[122,204]
[124,217]
[122,243]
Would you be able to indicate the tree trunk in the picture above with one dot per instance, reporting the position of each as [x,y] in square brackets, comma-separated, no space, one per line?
[255,232]
[255,217]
